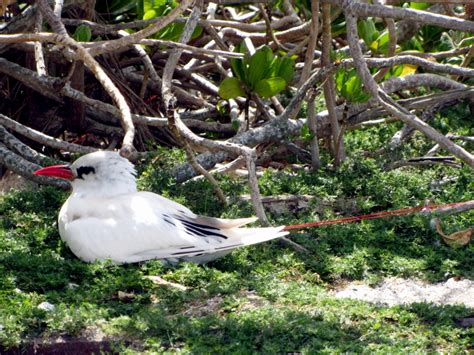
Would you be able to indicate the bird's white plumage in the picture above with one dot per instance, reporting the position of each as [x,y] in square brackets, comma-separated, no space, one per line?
[106,218]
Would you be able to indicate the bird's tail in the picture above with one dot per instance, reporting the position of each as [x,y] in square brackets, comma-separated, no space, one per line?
[249,236]
[236,238]
[223,223]
[244,236]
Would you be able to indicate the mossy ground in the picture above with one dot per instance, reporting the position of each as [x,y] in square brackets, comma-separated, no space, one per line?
[266,298]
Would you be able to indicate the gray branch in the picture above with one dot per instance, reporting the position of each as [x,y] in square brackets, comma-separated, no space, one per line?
[391,106]
[43,138]
[17,164]
[21,148]
[363,10]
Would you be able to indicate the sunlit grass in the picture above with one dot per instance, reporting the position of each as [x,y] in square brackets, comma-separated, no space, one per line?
[266,298]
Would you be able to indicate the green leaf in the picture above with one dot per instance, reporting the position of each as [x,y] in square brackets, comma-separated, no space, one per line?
[466,42]
[430,33]
[413,43]
[140,8]
[197,32]
[305,133]
[147,5]
[361,96]
[367,30]
[445,43]
[382,43]
[115,8]
[340,78]
[270,87]
[240,66]
[419,5]
[258,65]
[152,13]
[344,92]
[222,107]
[172,32]
[273,68]
[154,4]
[287,69]
[241,48]
[230,88]
[397,70]
[83,33]
[349,85]
[235,125]
[155,8]
[338,27]
[353,86]
[237,66]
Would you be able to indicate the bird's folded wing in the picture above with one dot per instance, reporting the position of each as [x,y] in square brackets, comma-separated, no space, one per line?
[184,252]
[165,204]
[237,238]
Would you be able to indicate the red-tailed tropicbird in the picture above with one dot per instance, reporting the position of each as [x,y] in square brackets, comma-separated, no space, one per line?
[107,218]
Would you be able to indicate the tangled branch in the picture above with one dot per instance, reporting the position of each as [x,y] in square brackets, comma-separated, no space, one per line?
[140,85]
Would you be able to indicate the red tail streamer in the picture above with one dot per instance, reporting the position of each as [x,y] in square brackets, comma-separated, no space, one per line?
[376,215]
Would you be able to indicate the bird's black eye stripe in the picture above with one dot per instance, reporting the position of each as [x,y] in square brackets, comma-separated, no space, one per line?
[84,170]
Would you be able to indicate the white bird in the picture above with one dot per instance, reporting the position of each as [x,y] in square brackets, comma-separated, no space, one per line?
[107,218]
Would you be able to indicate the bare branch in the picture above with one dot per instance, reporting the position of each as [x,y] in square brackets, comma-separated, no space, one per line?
[39,56]
[23,167]
[58,8]
[466,206]
[20,148]
[161,22]
[313,39]
[171,44]
[312,125]
[284,22]
[392,31]
[50,86]
[391,106]
[329,89]
[424,161]
[173,119]
[82,54]
[182,96]
[43,138]
[363,10]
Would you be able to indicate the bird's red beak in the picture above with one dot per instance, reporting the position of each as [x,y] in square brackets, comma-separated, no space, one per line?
[59,171]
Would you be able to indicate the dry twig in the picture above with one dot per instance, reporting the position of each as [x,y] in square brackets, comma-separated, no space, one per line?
[82,54]
[391,106]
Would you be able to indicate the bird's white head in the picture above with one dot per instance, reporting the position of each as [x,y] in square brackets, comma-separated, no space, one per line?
[102,173]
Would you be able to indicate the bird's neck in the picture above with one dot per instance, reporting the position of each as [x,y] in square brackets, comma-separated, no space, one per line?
[98,189]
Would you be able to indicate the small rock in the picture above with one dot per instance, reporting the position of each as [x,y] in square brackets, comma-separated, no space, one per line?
[46,306]
[466,322]
[11,181]
[125,296]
